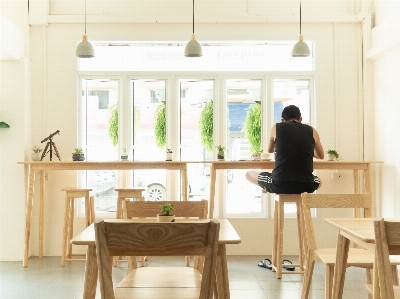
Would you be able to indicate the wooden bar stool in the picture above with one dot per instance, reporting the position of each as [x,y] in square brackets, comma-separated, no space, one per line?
[277,248]
[123,194]
[70,194]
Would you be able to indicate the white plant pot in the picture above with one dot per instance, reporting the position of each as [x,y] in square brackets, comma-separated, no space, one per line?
[168,156]
[161,218]
[36,156]
[331,157]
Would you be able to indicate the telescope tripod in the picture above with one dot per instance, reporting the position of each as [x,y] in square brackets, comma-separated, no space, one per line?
[52,145]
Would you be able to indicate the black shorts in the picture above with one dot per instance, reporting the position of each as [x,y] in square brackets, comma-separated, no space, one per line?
[285,187]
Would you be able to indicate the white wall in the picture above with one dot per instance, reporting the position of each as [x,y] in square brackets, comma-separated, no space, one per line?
[15,141]
[386,76]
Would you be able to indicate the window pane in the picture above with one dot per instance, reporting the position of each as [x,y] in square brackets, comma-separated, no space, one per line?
[217,56]
[243,98]
[97,98]
[149,135]
[196,100]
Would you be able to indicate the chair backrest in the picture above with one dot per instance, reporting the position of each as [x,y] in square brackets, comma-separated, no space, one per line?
[387,242]
[145,209]
[156,239]
[309,201]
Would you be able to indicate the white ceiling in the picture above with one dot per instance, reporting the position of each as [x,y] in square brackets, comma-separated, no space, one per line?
[205,10]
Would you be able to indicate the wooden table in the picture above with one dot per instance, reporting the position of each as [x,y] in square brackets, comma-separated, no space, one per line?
[356,166]
[227,235]
[76,165]
[361,232]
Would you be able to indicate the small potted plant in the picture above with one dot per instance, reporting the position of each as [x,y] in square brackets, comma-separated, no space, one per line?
[221,152]
[36,155]
[166,211]
[168,155]
[124,156]
[332,155]
[78,155]
[256,156]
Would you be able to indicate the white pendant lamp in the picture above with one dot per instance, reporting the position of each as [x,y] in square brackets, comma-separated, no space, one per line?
[85,49]
[193,48]
[300,49]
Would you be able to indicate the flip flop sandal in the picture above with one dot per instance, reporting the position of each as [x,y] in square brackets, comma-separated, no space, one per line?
[265,263]
[287,262]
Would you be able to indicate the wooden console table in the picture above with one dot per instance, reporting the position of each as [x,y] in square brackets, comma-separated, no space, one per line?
[57,165]
[356,166]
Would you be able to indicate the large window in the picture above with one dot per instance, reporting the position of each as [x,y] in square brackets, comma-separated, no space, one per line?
[165,109]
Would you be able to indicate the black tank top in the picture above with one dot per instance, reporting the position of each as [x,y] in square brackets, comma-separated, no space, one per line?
[294,152]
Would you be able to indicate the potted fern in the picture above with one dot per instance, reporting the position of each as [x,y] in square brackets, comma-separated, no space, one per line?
[168,155]
[166,213]
[206,126]
[332,155]
[124,156]
[252,126]
[221,152]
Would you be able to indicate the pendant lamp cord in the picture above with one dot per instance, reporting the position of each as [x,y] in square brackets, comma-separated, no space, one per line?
[193,16]
[300,17]
[85,16]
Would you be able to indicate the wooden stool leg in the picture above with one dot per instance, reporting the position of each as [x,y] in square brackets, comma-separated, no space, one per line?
[70,226]
[280,240]
[300,236]
[275,238]
[65,230]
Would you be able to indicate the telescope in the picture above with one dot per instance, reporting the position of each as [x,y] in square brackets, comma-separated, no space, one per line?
[51,136]
[50,144]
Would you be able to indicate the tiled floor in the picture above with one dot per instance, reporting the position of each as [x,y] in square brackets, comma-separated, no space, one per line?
[45,279]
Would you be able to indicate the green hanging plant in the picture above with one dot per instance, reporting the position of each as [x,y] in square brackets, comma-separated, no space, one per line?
[113,124]
[252,127]
[4,124]
[160,128]
[206,126]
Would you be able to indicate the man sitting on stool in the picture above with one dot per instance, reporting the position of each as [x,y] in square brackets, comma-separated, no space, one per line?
[295,145]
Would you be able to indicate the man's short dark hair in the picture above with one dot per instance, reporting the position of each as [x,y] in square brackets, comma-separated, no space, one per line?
[291,112]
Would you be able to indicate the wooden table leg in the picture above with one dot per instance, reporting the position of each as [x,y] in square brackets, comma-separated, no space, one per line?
[212,191]
[41,213]
[184,182]
[28,214]
[342,252]
[222,282]
[91,273]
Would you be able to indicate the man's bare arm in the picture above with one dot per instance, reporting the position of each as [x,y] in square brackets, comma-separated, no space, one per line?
[271,141]
[318,149]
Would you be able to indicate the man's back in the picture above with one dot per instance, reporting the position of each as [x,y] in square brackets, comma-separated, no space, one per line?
[294,151]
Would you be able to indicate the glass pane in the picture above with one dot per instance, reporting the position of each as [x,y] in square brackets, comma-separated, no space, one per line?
[149,135]
[244,111]
[98,96]
[217,56]
[291,92]
[196,104]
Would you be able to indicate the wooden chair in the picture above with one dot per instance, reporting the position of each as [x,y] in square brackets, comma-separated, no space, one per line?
[357,257]
[158,239]
[387,242]
[150,209]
